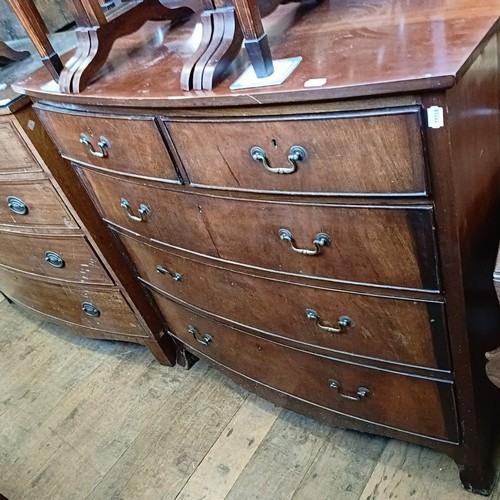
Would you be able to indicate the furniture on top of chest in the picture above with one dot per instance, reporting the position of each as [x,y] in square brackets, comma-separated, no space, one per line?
[224,25]
[329,242]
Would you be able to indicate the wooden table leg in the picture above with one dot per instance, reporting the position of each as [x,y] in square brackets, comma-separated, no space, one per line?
[34,25]
[256,42]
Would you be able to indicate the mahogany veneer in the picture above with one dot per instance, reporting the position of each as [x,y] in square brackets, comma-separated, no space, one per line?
[49,260]
[329,242]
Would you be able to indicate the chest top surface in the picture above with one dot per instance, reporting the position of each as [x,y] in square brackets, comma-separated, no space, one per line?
[350,49]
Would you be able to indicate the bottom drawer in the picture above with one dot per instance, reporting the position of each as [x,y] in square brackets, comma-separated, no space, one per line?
[409,403]
[92,307]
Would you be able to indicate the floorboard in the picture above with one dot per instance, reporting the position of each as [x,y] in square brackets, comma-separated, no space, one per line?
[90,419]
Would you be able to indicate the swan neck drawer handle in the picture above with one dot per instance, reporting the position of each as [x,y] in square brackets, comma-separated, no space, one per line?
[54,259]
[174,276]
[205,340]
[361,393]
[143,211]
[296,154]
[17,205]
[321,240]
[103,146]
[344,322]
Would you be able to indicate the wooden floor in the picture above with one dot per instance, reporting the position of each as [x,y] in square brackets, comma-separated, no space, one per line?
[94,419]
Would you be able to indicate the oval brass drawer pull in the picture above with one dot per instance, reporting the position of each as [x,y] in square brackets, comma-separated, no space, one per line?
[54,259]
[164,270]
[103,146]
[17,205]
[90,309]
[205,340]
[321,240]
[361,393]
[344,322]
[296,154]
[143,211]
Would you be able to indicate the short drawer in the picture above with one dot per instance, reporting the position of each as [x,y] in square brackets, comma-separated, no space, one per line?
[127,144]
[33,203]
[402,331]
[391,246]
[395,400]
[15,156]
[371,153]
[92,307]
[60,257]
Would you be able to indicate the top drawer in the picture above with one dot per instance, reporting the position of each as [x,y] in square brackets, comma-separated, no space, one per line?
[15,156]
[370,153]
[124,144]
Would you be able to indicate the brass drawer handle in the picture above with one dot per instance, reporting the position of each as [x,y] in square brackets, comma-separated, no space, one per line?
[344,322]
[90,309]
[54,259]
[205,340]
[164,270]
[296,154]
[321,240]
[143,211]
[103,146]
[17,205]
[361,393]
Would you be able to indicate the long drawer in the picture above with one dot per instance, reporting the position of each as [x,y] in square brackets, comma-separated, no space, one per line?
[378,152]
[92,307]
[412,404]
[61,257]
[391,246]
[15,156]
[398,330]
[33,203]
[127,144]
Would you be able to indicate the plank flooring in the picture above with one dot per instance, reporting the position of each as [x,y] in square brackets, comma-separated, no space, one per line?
[89,419]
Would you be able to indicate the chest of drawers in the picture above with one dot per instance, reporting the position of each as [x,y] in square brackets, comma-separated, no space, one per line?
[49,260]
[331,248]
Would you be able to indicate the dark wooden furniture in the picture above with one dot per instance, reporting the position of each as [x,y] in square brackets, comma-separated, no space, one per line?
[50,262]
[9,55]
[224,23]
[328,243]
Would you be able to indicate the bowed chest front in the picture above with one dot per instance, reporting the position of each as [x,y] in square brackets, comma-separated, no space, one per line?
[329,242]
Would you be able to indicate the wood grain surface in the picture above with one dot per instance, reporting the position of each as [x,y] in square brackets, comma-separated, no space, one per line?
[88,419]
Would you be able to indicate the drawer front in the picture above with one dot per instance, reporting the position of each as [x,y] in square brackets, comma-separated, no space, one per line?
[62,257]
[412,404]
[29,203]
[131,145]
[372,153]
[381,245]
[402,331]
[15,156]
[96,308]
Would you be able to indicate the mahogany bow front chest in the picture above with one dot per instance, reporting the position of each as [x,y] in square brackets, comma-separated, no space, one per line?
[329,242]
